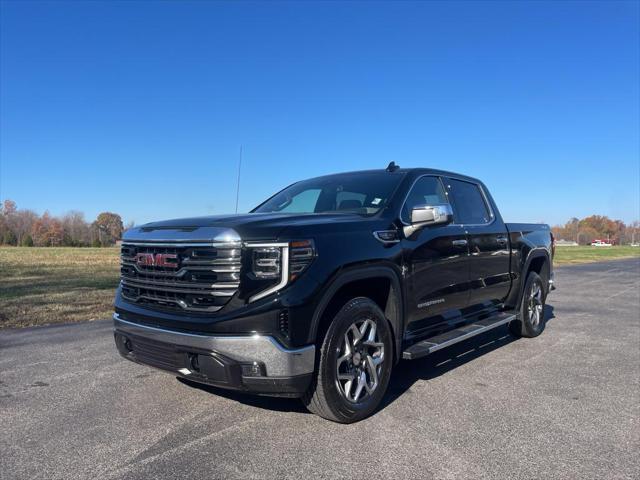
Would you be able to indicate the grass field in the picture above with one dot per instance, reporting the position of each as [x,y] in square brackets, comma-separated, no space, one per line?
[39,286]
[570,255]
[56,285]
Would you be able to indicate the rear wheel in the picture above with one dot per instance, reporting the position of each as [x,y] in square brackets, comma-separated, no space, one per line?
[531,316]
[355,364]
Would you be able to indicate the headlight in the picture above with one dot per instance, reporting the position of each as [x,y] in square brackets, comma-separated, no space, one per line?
[266,262]
[284,261]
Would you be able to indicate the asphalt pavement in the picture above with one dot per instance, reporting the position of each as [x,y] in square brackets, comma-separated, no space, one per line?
[563,405]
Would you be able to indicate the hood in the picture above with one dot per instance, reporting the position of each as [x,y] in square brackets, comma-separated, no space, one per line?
[250,226]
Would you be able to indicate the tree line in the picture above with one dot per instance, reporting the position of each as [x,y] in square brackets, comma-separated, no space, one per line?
[28,229]
[598,227]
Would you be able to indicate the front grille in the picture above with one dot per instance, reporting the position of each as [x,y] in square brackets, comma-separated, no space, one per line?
[198,277]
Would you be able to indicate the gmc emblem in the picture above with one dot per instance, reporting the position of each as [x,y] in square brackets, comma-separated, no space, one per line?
[169,260]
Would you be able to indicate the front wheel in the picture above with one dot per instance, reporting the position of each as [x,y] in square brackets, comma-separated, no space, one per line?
[355,364]
[530,321]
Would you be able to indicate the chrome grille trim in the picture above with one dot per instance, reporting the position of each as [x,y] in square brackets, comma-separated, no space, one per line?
[182,271]
[154,286]
[214,286]
[207,277]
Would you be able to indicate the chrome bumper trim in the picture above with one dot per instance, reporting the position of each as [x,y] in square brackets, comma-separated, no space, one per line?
[278,361]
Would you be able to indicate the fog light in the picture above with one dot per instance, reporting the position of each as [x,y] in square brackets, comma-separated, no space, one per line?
[254,369]
[123,344]
[194,364]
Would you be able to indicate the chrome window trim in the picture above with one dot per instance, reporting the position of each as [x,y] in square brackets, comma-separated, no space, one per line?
[441,179]
[486,202]
[284,272]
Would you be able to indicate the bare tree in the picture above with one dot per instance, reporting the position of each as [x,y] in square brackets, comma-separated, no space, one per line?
[27,228]
[22,224]
[76,228]
[633,232]
[8,208]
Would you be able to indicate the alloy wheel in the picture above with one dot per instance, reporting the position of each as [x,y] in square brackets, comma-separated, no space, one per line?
[535,306]
[360,359]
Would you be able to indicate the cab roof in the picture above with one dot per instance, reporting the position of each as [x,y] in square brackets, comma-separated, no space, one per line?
[415,172]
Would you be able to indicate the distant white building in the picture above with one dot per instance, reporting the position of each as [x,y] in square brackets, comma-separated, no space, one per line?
[566,243]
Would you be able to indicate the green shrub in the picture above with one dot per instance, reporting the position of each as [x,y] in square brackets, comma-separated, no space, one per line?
[10,238]
[27,241]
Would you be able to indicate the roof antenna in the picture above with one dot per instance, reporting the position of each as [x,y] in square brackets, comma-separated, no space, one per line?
[392,167]
[238,185]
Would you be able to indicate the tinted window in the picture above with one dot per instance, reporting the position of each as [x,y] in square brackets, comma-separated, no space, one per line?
[426,191]
[304,201]
[364,193]
[349,200]
[470,206]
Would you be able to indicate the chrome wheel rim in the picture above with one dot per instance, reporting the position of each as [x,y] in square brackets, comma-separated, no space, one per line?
[360,360]
[535,305]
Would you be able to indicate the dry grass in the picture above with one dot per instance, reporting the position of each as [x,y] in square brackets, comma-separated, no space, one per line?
[587,254]
[40,286]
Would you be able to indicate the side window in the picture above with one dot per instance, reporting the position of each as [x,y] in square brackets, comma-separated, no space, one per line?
[426,191]
[470,205]
[304,202]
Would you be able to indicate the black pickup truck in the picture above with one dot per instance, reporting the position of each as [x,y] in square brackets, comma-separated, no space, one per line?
[319,291]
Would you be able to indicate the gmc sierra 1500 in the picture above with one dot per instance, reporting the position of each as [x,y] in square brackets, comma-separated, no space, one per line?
[320,290]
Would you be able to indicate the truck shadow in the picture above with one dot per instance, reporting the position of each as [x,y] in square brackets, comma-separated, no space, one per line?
[277,404]
[408,372]
[404,375]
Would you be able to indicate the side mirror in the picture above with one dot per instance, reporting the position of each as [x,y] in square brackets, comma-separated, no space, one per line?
[427,215]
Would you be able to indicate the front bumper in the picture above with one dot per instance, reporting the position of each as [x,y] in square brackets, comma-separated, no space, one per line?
[254,363]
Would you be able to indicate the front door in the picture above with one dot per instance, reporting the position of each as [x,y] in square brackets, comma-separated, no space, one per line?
[436,259]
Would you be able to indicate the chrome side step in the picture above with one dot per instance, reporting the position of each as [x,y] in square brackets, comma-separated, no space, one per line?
[444,340]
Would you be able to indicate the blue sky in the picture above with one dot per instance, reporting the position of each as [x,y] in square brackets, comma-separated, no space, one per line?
[141,107]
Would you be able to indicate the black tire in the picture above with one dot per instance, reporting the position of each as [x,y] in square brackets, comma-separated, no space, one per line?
[531,324]
[326,396]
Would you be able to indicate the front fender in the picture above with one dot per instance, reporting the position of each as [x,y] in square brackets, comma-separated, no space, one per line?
[395,302]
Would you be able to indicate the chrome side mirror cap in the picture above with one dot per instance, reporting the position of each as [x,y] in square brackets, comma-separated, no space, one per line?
[428,215]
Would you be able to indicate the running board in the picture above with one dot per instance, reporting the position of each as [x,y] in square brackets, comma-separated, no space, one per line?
[444,340]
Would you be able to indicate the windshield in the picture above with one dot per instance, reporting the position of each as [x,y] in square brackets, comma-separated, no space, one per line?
[363,193]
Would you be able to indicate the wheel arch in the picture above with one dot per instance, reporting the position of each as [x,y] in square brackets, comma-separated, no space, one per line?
[380,283]
[537,261]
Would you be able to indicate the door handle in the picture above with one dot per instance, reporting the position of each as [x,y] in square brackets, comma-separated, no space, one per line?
[459,243]
[501,240]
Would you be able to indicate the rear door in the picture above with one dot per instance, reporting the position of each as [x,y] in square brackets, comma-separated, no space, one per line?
[436,257]
[489,254]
